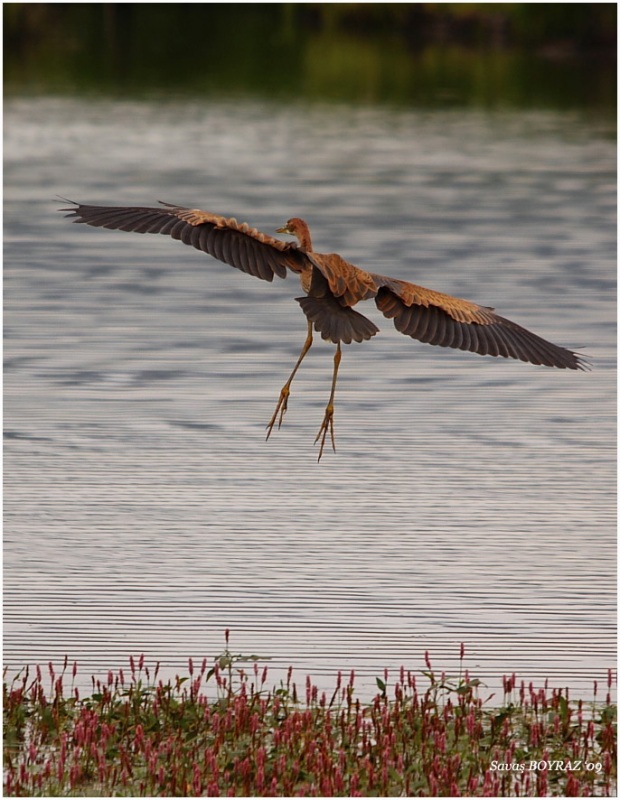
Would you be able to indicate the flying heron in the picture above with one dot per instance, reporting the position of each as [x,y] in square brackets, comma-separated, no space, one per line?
[332,287]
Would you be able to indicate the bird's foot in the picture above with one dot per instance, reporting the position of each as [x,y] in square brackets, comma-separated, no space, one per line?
[280,409]
[326,425]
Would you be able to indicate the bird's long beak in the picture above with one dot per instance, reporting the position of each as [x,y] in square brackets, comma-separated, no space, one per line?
[283,230]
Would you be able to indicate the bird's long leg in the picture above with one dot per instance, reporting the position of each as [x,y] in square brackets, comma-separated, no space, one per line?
[328,419]
[286,389]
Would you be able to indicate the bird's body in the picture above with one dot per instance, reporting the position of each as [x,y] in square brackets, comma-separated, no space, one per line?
[332,287]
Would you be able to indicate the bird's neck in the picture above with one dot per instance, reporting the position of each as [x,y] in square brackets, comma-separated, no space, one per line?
[305,242]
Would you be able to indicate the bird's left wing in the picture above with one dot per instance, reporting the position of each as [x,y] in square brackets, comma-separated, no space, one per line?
[235,243]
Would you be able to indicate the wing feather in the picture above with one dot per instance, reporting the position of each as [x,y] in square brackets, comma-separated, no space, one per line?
[509,346]
[461,338]
[179,229]
[476,341]
[491,341]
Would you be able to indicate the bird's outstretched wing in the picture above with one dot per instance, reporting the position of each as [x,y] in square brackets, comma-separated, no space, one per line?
[235,243]
[440,319]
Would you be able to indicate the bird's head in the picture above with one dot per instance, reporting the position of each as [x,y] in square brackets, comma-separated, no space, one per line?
[297,227]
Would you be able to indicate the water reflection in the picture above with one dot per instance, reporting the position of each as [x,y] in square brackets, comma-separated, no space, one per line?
[470,499]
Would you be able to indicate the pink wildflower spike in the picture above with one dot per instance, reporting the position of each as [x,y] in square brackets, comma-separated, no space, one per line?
[470,723]
[141,661]
[462,651]
[572,786]
[74,775]
[338,780]
[226,635]
[132,664]
[139,736]
[427,659]
[190,666]
[32,752]
[197,782]
[610,679]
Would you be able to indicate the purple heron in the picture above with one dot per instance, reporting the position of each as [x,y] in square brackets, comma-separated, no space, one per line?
[332,287]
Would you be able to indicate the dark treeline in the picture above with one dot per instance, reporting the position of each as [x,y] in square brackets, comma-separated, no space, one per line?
[414,53]
[567,26]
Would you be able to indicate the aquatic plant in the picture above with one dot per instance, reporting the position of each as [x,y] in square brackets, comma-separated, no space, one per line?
[221,730]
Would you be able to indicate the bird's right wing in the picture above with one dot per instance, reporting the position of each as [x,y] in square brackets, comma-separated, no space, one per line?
[440,319]
[235,243]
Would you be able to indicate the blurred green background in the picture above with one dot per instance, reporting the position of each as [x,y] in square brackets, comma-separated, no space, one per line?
[493,55]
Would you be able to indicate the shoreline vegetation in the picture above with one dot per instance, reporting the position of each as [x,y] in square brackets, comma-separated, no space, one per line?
[222,730]
[558,32]
[421,55]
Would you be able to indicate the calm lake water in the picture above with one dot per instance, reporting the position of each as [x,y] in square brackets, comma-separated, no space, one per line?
[470,500]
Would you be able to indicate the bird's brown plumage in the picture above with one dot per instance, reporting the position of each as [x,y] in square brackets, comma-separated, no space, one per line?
[424,314]
[333,286]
